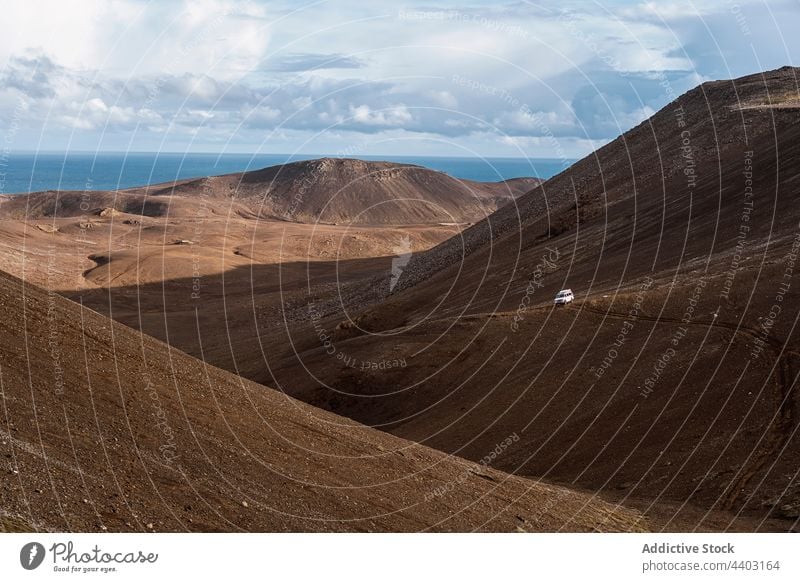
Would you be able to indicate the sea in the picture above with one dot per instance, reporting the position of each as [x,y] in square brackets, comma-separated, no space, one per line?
[24,172]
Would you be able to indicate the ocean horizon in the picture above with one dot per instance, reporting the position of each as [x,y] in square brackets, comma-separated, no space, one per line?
[23,172]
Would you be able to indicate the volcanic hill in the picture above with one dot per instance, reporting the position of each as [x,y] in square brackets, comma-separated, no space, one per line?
[672,378]
[327,190]
[106,429]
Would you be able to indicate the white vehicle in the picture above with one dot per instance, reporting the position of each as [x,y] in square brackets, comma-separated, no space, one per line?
[564,296]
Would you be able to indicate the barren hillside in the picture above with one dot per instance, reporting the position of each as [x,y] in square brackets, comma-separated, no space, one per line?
[106,429]
[672,378]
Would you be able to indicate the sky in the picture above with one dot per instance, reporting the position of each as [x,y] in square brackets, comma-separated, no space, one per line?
[350,78]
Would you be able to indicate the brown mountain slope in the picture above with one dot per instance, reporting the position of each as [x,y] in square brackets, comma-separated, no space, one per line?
[673,378]
[327,190]
[103,428]
[694,146]
[352,191]
[70,203]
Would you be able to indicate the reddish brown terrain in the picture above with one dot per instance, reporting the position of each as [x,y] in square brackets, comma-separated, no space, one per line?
[672,379]
[669,386]
[108,429]
[326,191]
[104,428]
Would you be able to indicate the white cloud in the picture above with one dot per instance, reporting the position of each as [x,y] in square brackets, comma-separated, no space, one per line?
[443,98]
[390,117]
[132,37]
[238,70]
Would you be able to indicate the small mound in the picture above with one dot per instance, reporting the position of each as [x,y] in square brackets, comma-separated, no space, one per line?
[49,228]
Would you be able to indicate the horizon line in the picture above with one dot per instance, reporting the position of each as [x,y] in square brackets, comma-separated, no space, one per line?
[311,156]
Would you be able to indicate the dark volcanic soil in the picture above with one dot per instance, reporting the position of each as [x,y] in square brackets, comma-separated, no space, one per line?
[105,429]
[672,378]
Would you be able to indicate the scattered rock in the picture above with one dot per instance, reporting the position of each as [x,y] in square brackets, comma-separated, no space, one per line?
[790,510]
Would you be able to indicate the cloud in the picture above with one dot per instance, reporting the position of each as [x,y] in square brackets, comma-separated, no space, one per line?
[31,75]
[393,116]
[605,113]
[262,116]
[241,72]
[298,62]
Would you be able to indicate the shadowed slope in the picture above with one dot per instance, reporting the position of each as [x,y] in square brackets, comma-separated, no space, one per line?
[103,428]
[690,221]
